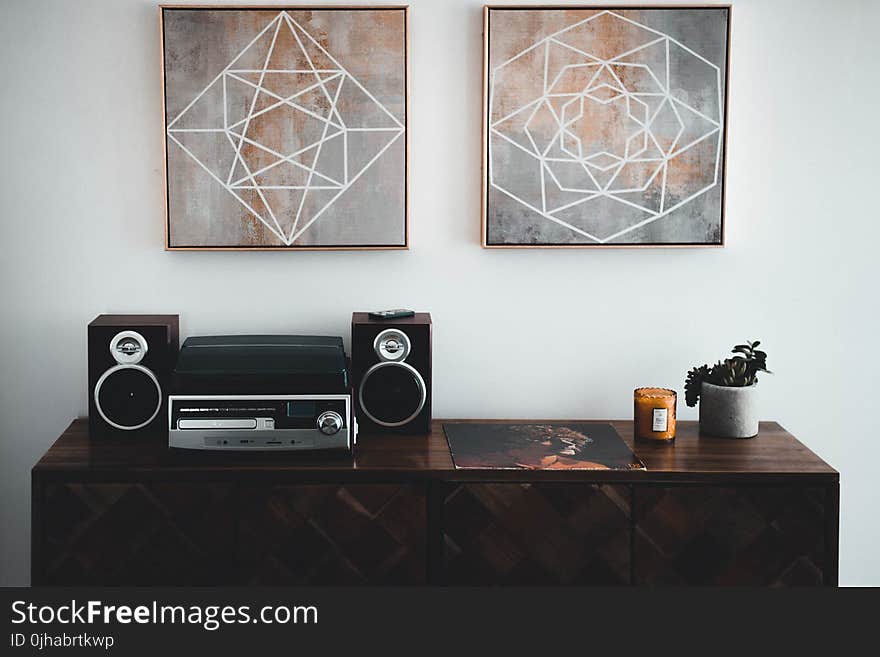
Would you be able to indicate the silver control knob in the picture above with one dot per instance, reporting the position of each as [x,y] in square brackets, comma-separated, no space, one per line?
[329,423]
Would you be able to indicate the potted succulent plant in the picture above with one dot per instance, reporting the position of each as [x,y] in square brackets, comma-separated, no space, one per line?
[727,392]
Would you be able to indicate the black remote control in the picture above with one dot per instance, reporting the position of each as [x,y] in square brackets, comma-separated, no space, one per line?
[397,313]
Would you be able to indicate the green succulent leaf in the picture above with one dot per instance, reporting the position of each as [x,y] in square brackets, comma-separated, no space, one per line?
[737,371]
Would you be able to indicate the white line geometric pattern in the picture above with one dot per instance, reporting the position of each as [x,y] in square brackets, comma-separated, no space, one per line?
[293,128]
[634,92]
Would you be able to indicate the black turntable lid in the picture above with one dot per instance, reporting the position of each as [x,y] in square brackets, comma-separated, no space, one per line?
[247,364]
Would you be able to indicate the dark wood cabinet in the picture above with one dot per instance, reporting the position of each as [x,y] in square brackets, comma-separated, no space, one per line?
[542,533]
[332,534]
[150,533]
[747,536]
[706,511]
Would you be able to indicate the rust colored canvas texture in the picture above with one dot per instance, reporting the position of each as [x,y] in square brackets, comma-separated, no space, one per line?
[285,128]
[605,126]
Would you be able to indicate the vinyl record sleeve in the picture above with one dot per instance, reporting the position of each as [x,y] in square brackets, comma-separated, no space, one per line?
[539,446]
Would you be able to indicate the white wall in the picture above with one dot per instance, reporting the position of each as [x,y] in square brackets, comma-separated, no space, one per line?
[543,333]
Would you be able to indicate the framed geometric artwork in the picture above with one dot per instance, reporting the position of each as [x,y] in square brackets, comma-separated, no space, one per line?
[285,127]
[604,126]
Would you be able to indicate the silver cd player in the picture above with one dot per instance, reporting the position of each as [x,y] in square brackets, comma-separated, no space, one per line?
[261,422]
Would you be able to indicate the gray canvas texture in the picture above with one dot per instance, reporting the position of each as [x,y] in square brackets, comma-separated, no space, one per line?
[606,126]
[285,128]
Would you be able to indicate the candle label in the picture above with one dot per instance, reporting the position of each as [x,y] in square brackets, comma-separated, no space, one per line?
[661,419]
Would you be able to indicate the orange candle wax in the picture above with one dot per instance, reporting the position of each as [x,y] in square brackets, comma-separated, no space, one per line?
[654,413]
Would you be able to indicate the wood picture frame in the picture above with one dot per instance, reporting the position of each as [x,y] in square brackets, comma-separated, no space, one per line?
[391,186]
[504,229]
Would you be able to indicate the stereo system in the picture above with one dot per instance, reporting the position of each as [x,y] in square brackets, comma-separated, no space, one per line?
[259,392]
[391,367]
[130,361]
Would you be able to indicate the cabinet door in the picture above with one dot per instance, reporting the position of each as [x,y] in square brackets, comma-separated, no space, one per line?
[136,534]
[553,533]
[332,534]
[747,536]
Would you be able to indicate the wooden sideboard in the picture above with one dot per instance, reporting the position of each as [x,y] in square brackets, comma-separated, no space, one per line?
[706,511]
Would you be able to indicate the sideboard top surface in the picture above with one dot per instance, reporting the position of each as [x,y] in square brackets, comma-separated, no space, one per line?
[774,456]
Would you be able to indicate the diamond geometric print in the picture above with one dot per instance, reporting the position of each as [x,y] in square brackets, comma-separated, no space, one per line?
[294,129]
[608,127]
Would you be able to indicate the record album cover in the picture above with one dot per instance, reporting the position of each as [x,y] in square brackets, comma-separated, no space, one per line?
[565,446]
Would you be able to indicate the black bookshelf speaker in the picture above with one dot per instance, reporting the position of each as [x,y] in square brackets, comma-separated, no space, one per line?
[391,371]
[131,358]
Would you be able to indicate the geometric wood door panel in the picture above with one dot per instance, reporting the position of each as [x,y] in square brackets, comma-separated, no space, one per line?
[333,534]
[745,536]
[531,534]
[137,534]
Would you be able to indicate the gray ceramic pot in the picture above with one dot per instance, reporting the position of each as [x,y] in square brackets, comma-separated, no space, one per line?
[729,412]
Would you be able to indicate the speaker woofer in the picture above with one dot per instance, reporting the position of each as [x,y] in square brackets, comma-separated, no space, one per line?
[392,393]
[128,397]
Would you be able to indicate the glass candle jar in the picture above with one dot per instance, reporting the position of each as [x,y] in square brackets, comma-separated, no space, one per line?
[654,413]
